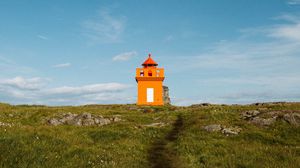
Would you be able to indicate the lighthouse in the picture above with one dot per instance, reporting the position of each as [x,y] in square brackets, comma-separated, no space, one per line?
[150,83]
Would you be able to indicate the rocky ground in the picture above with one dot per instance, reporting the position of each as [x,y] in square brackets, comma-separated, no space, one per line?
[201,135]
[84,119]
[261,118]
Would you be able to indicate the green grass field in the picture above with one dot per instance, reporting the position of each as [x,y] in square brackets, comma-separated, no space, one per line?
[31,142]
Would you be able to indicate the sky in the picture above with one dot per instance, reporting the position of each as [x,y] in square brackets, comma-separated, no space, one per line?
[61,52]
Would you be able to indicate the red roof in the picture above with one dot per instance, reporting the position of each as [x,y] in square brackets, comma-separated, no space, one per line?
[149,62]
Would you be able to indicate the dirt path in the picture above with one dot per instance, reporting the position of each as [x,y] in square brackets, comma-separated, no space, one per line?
[160,154]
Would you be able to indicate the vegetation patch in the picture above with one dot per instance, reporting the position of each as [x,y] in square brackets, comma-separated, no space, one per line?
[166,136]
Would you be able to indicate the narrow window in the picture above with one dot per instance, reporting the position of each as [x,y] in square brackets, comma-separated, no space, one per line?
[141,73]
[157,73]
[150,73]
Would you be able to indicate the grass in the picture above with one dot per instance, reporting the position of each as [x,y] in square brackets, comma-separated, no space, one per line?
[31,142]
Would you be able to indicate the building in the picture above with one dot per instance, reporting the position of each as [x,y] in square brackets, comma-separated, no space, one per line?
[150,83]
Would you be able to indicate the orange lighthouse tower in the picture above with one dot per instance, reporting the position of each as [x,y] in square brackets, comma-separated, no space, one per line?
[150,83]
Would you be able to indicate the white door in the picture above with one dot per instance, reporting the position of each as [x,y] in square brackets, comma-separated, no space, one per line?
[150,95]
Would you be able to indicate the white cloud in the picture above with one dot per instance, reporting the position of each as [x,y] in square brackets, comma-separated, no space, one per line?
[86,89]
[288,17]
[279,52]
[287,31]
[21,90]
[124,56]
[105,28]
[293,2]
[42,37]
[63,65]
[22,83]
[246,70]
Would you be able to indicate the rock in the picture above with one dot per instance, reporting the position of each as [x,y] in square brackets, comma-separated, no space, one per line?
[3,124]
[231,131]
[86,116]
[76,121]
[213,128]
[85,119]
[225,130]
[292,118]
[116,119]
[274,113]
[54,121]
[250,114]
[166,96]
[88,122]
[159,124]
[67,117]
[262,121]
[97,121]
[102,121]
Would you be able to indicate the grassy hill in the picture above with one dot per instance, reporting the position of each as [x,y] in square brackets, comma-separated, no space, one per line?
[167,136]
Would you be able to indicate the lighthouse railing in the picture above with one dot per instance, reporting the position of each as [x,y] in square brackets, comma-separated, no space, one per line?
[152,72]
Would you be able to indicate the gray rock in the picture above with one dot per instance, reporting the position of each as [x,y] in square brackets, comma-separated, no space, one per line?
[250,114]
[213,128]
[96,120]
[76,121]
[86,116]
[103,121]
[54,121]
[231,131]
[159,124]
[116,119]
[225,130]
[85,119]
[274,113]
[67,117]
[88,122]
[166,96]
[262,121]
[292,118]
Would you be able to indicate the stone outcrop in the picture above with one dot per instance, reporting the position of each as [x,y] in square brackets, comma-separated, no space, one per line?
[292,118]
[250,114]
[158,124]
[263,121]
[231,131]
[166,96]
[225,130]
[212,128]
[84,119]
[267,118]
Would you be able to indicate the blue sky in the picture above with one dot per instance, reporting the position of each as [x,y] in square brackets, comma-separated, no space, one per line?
[60,52]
